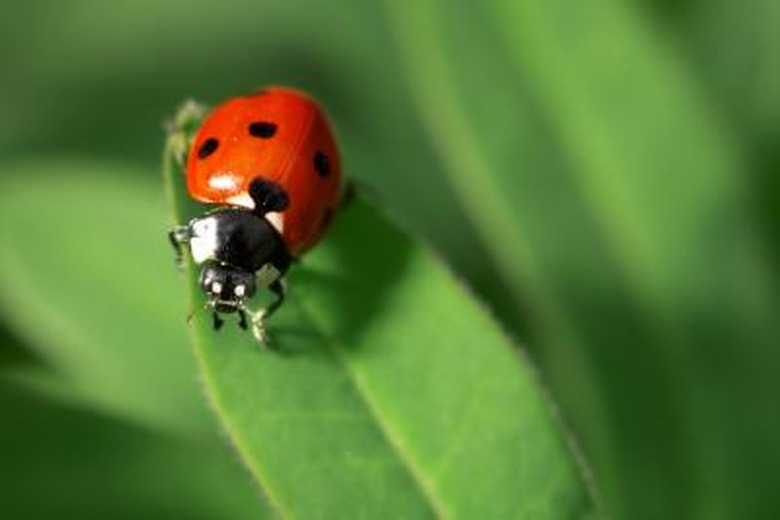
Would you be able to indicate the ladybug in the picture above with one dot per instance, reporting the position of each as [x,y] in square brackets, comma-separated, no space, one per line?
[269,164]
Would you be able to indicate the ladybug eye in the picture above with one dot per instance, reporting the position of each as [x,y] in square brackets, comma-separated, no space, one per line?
[262,129]
[208,147]
[321,164]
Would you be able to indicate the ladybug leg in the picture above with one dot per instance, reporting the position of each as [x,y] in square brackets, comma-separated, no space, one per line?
[348,195]
[279,288]
[269,196]
[242,319]
[179,236]
[259,330]
[218,322]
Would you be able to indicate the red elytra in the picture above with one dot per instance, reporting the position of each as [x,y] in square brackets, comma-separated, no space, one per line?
[278,134]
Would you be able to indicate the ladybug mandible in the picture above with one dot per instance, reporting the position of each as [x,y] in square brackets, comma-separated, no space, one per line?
[269,163]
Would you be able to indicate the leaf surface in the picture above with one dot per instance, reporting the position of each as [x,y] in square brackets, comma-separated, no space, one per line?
[392,393]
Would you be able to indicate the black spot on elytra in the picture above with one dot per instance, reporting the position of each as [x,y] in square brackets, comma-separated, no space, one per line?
[262,129]
[208,147]
[321,164]
[268,196]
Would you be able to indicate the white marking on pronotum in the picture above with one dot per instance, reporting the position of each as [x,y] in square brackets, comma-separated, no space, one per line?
[276,219]
[203,242]
[242,200]
[226,181]
[216,288]
[239,290]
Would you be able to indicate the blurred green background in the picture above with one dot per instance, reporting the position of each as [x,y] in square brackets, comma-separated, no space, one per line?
[603,173]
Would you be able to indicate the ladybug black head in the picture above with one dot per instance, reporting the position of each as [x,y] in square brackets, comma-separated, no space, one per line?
[226,288]
[238,250]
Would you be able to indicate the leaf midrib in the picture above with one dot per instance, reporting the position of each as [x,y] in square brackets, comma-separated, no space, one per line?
[393,438]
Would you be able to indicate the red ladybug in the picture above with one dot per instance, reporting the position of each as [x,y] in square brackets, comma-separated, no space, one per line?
[270,164]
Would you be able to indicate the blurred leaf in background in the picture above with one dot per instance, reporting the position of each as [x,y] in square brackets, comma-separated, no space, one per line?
[602,172]
[615,201]
[62,462]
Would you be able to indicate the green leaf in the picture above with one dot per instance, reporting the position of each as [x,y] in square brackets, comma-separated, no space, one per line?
[60,462]
[612,201]
[734,48]
[392,394]
[90,284]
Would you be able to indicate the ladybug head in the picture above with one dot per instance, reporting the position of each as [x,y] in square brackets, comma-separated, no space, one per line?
[226,288]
